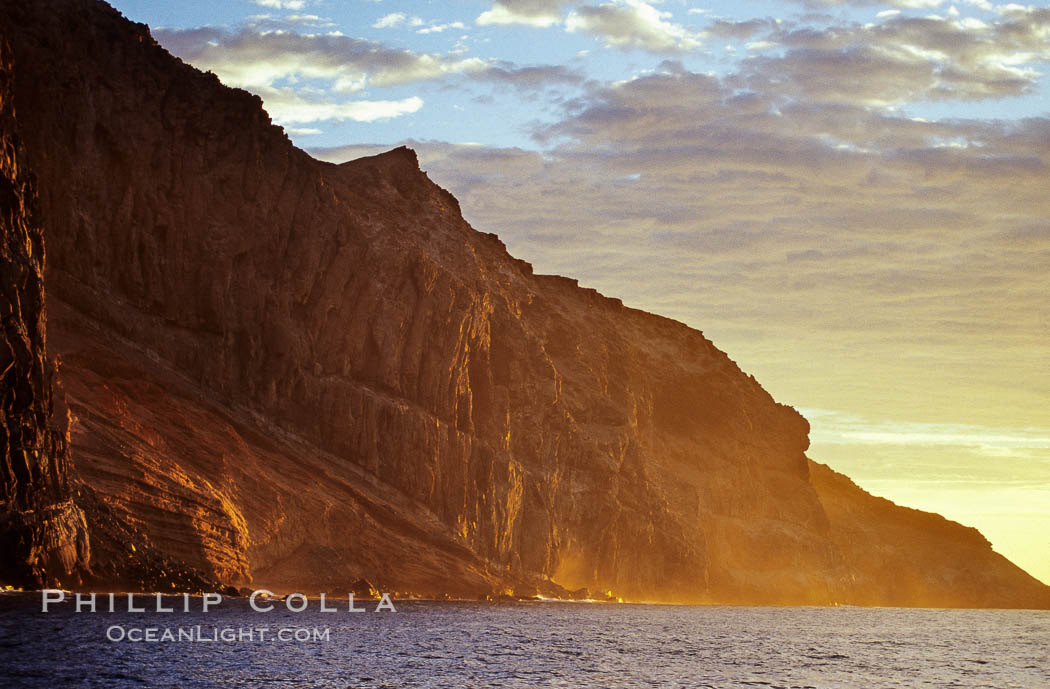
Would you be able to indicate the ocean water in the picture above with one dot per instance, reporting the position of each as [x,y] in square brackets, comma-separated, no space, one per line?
[541,644]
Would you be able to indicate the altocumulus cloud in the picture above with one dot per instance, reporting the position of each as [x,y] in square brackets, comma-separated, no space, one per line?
[905,59]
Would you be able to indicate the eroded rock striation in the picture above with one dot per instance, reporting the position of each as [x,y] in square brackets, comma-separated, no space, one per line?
[296,374]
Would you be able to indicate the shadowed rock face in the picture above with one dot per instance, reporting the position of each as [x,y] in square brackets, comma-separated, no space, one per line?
[43,535]
[299,374]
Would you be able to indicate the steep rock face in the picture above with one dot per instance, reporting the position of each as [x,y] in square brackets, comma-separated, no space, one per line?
[43,535]
[295,373]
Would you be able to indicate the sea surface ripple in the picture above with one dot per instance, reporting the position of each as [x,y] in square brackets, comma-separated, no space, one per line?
[541,644]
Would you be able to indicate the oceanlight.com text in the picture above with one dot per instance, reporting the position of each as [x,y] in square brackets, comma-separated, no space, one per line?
[204,634]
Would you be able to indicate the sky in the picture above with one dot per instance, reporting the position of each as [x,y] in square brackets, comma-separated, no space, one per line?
[850,197]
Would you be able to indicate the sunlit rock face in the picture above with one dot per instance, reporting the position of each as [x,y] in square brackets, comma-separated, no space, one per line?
[43,535]
[299,374]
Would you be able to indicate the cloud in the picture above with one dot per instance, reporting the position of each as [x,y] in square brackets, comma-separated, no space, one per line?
[254,59]
[632,24]
[530,77]
[306,19]
[282,4]
[438,28]
[726,28]
[536,13]
[288,108]
[395,19]
[305,78]
[905,59]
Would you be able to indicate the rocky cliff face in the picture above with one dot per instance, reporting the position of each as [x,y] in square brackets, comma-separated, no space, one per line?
[296,374]
[43,535]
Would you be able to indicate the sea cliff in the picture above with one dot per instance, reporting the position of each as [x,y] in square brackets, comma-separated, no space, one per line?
[294,374]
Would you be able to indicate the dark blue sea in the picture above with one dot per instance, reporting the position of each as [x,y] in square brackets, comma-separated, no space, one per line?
[536,644]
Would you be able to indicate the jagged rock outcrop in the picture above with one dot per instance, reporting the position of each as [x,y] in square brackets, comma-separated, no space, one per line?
[301,374]
[43,535]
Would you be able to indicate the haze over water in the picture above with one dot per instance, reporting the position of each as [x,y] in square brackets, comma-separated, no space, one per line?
[427,644]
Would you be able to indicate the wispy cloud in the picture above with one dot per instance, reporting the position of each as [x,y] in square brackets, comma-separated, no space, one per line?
[530,77]
[439,28]
[847,429]
[994,478]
